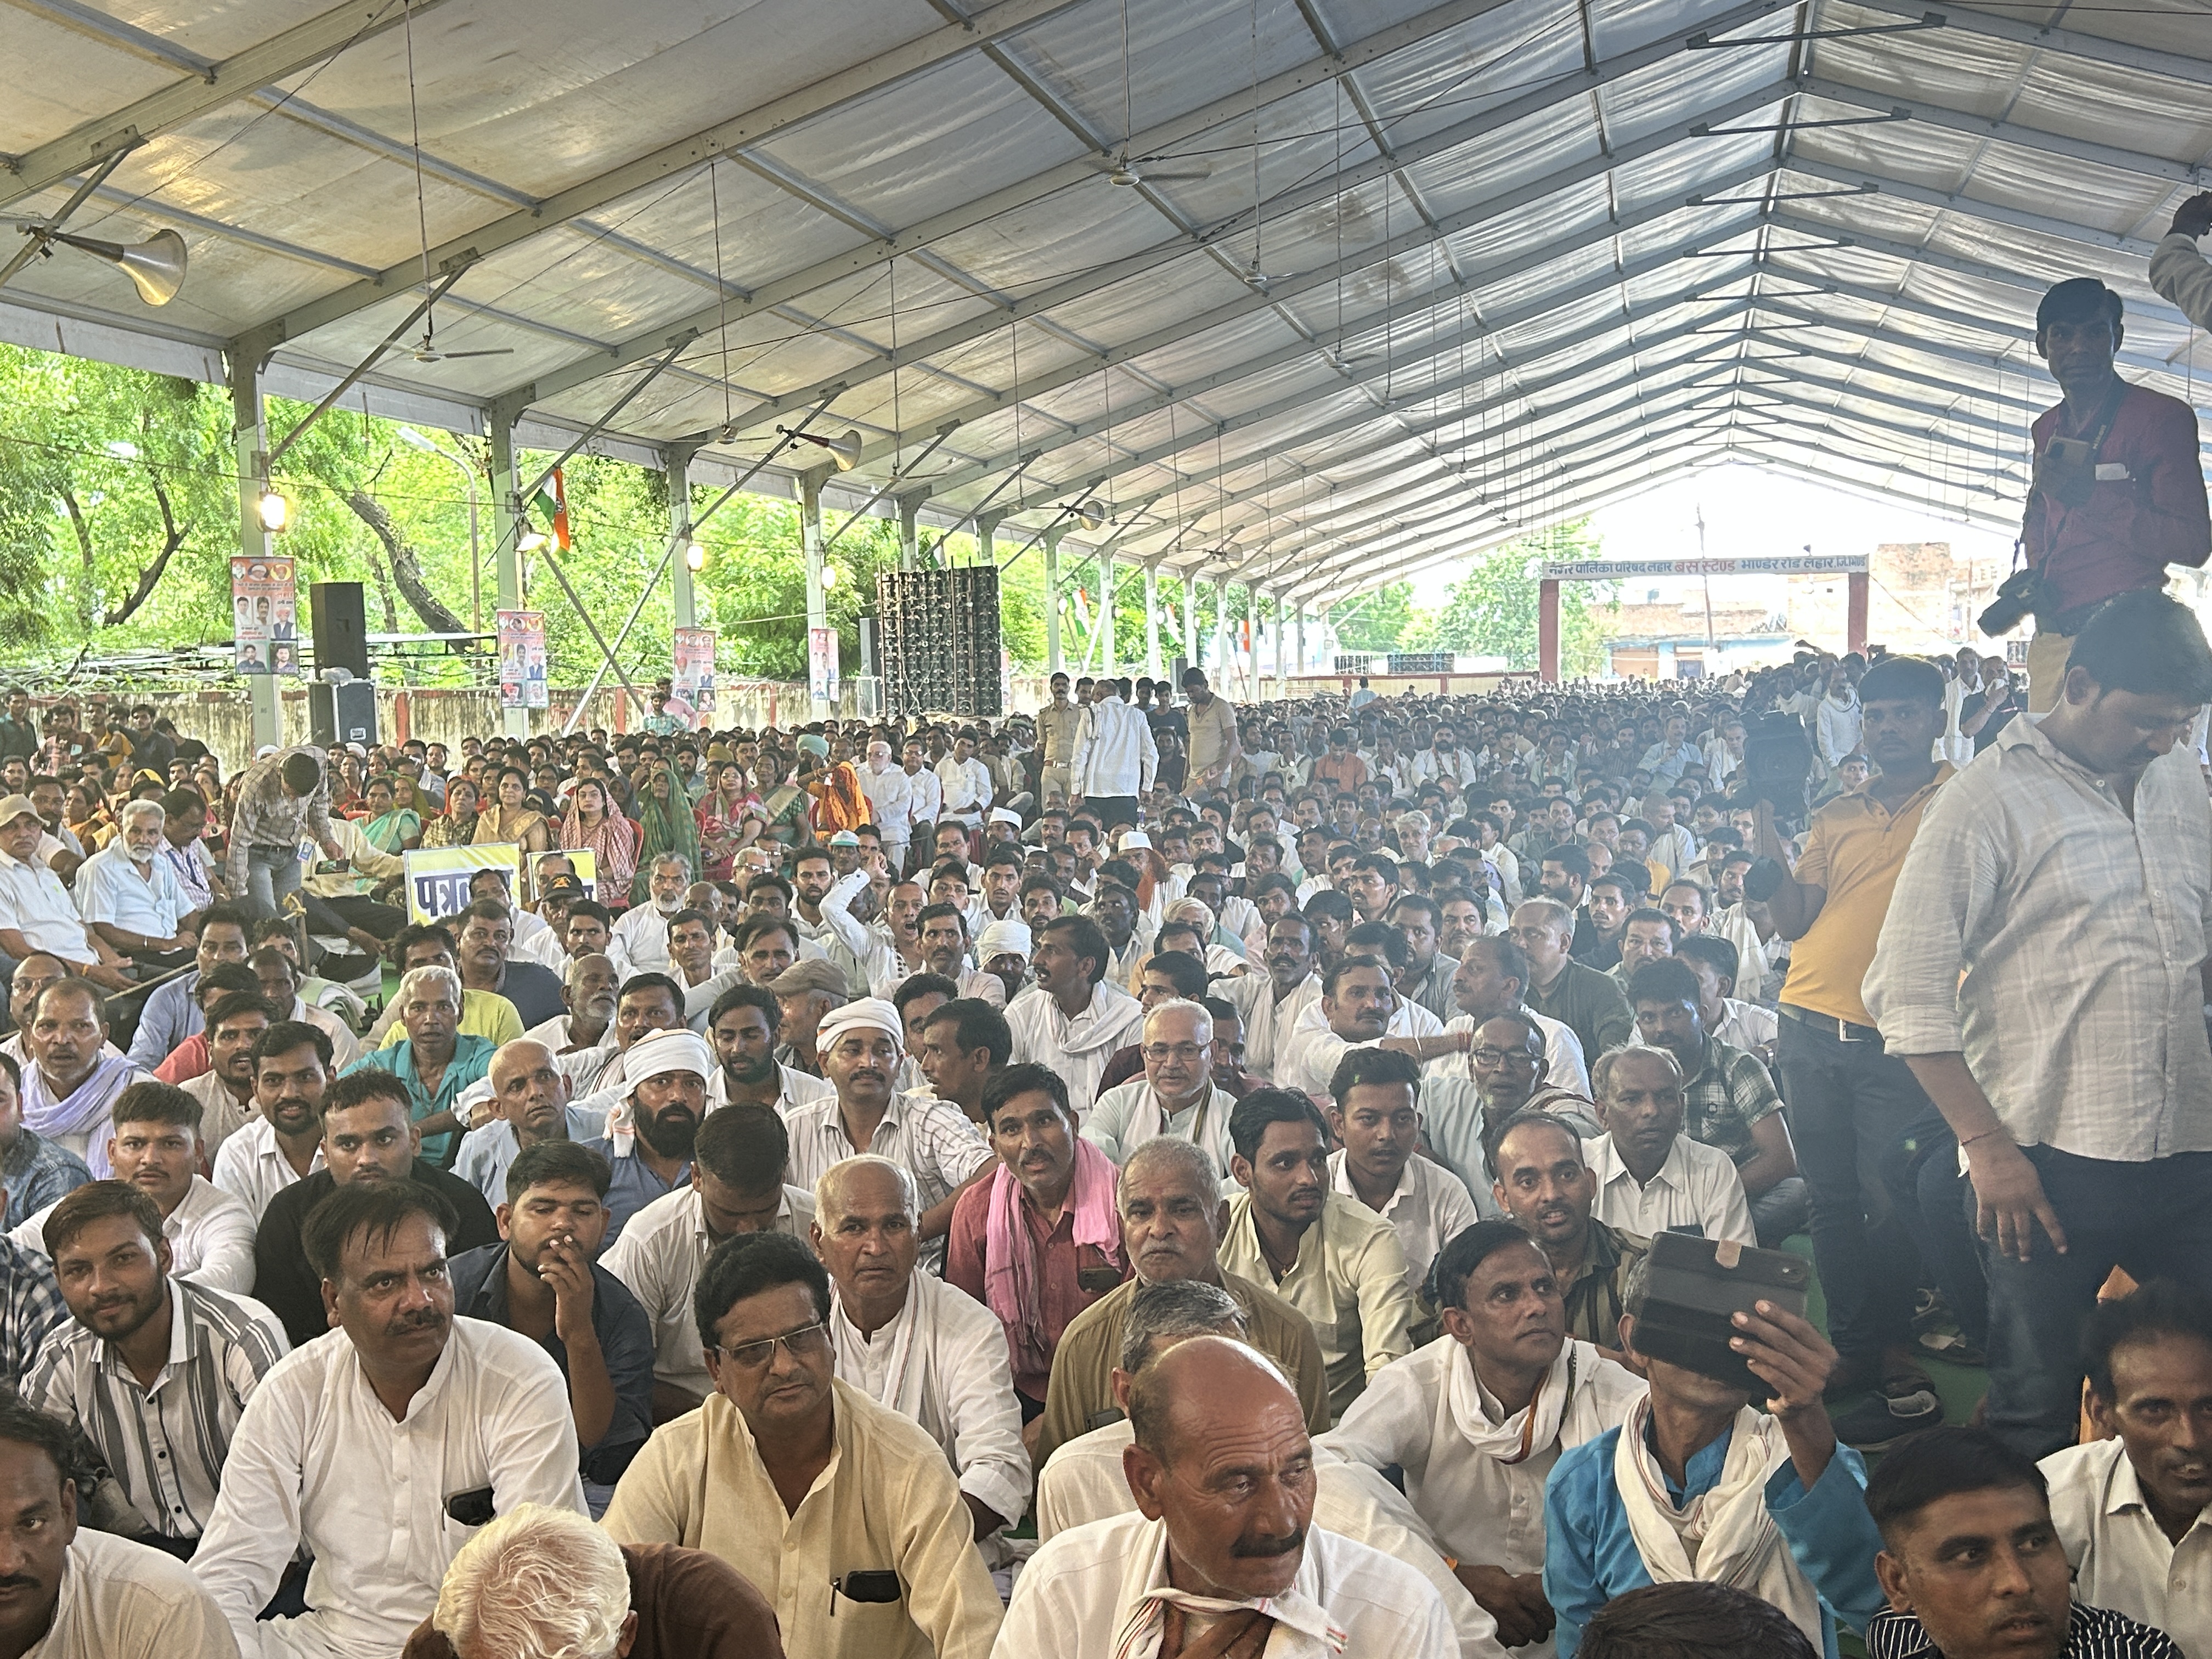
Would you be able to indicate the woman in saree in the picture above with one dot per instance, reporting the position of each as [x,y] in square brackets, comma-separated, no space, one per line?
[457,825]
[664,812]
[510,818]
[349,790]
[389,827]
[718,815]
[839,803]
[590,827]
[784,803]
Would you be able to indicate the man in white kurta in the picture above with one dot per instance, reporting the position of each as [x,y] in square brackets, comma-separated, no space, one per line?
[912,1342]
[1073,1019]
[375,1445]
[1176,1095]
[1475,1470]
[1114,1589]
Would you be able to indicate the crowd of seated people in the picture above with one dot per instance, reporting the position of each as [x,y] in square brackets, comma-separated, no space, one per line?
[1099,1207]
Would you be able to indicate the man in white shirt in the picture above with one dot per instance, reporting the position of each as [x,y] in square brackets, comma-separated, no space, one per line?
[737,1186]
[2134,1510]
[283,1144]
[1651,1177]
[1176,1096]
[1190,1565]
[1491,976]
[966,782]
[155,1150]
[129,897]
[1373,1109]
[1359,1007]
[152,1370]
[36,913]
[1475,1420]
[1071,1019]
[382,1445]
[913,1343]
[641,935]
[235,1023]
[862,1045]
[1271,1003]
[78,1593]
[1114,757]
[929,790]
[891,802]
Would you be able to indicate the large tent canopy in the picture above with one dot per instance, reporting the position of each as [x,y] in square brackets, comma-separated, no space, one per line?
[1308,294]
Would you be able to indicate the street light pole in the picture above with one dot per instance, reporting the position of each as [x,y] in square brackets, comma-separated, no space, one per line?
[414,440]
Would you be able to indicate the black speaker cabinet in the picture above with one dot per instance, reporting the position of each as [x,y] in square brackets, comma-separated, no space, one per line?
[938,641]
[340,626]
[340,715]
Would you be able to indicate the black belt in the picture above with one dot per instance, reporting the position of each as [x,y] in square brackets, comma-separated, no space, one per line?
[1842,1030]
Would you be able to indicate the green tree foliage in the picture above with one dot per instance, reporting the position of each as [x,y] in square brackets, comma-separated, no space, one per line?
[1377,620]
[1491,610]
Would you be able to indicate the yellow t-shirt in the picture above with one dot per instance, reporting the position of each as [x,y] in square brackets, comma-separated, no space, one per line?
[1854,849]
[483,1014]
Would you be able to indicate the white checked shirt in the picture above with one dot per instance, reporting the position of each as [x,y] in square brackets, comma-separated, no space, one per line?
[1430,1207]
[210,1235]
[1697,1186]
[658,1257]
[253,1168]
[932,1140]
[318,1459]
[2122,1560]
[2026,875]
[165,1443]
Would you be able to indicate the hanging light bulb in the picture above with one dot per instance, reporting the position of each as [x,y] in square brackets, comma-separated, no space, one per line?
[273,510]
[829,577]
[695,557]
[529,539]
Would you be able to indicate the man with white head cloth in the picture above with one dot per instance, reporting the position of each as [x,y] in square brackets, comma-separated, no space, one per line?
[1223,1551]
[540,1583]
[1176,1096]
[910,1341]
[1002,950]
[736,1186]
[860,1046]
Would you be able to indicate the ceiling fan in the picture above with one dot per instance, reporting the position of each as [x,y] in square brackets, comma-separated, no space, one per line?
[1121,169]
[425,350]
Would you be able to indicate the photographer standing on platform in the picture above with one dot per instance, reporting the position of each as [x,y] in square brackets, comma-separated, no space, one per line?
[2118,493]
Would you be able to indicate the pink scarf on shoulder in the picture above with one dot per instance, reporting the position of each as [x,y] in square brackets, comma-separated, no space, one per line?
[1011,1272]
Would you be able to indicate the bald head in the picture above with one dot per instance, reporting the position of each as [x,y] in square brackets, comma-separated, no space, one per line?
[1222,1456]
[531,1091]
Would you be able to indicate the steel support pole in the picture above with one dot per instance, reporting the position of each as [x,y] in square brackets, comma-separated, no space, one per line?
[677,460]
[250,429]
[1252,640]
[506,530]
[909,509]
[1106,613]
[1298,612]
[987,536]
[818,600]
[1051,662]
[1282,646]
[1152,668]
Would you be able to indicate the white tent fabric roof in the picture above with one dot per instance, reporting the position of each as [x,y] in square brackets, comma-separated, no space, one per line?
[1511,259]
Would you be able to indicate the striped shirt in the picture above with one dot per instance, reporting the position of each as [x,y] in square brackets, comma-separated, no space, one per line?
[31,1309]
[932,1140]
[166,1444]
[2092,1634]
[265,817]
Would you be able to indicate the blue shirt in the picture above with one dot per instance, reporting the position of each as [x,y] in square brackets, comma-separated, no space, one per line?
[171,1014]
[1590,1556]
[36,1172]
[625,1334]
[471,1061]
[635,1187]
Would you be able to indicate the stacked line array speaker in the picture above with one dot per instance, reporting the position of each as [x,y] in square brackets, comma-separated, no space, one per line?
[938,638]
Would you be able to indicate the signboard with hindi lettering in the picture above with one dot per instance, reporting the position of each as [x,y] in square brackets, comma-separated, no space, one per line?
[438,877]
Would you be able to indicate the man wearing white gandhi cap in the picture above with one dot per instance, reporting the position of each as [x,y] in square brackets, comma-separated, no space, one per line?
[860,1045]
[1002,949]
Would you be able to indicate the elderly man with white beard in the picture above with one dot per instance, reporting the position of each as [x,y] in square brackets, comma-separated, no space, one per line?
[912,1342]
[1476,1419]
